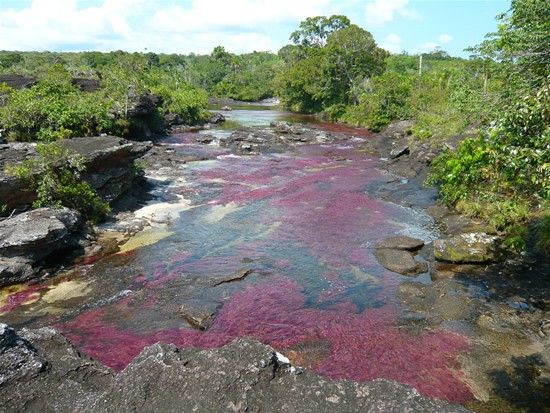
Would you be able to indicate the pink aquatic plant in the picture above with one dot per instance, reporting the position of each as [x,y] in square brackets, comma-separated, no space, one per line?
[363,346]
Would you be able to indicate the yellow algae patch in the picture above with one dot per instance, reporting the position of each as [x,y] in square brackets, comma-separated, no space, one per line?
[218,212]
[146,237]
[164,212]
[12,289]
[66,290]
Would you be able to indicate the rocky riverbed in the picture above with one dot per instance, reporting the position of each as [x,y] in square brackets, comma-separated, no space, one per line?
[319,240]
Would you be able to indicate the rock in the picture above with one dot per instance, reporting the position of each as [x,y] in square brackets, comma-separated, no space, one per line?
[399,129]
[399,261]
[237,275]
[287,128]
[36,234]
[459,224]
[18,359]
[143,105]
[18,81]
[216,118]
[242,376]
[226,108]
[438,212]
[199,315]
[172,119]
[206,139]
[401,243]
[86,85]
[16,270]
[399,151]
[476,247]
[27,238]
[108,160]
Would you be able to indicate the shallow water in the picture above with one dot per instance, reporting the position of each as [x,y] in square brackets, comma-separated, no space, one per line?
[304,225]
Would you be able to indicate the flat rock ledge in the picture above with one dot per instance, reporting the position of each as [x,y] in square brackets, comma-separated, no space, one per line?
[42,371]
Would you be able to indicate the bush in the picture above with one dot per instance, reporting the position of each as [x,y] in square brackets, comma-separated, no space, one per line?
[54,109]
[506,171]
[55,176]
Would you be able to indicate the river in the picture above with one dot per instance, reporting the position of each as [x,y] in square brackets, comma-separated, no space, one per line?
[278,247]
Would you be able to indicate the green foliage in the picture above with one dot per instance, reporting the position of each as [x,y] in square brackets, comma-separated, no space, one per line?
[314,31]
[9,59]
[55,176]
[328,65]
[385,98]
[543,232]
[351,57]
[54,109]
[250,78]
[521,45]
[301,85]
[507,169]
[516,238]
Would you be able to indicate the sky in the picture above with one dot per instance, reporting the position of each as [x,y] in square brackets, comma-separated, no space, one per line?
[185,26]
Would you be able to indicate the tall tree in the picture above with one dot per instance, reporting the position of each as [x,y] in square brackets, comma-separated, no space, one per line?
[314,31]
[352,56]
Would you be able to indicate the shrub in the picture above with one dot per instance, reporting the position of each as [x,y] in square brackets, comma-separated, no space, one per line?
[55,176]
[55,109]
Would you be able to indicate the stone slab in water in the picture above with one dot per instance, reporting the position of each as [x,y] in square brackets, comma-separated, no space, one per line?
[401,242]
[399,261]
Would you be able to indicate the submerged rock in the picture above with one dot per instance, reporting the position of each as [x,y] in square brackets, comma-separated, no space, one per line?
[399,261]
[475,247]
[242,376]
[401,242]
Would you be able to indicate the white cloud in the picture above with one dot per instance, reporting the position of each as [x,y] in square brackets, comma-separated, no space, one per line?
[445,38]
[392,43]
[162,26]
[243,14]
[380,12]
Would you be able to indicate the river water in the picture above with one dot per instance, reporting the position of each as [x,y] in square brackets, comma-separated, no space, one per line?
[301,227]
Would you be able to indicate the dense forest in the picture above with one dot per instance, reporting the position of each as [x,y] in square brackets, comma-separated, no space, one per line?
[499,99]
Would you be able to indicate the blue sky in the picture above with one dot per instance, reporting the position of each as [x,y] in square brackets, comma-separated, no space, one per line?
[184,26]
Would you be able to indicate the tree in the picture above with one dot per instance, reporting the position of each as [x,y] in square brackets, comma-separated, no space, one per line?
[314,31]
[352,56]
[521,44]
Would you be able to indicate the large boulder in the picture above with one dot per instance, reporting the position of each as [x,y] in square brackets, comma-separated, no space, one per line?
[36,234]
[143,105]
[242,376]
[27,238]
[474,247]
